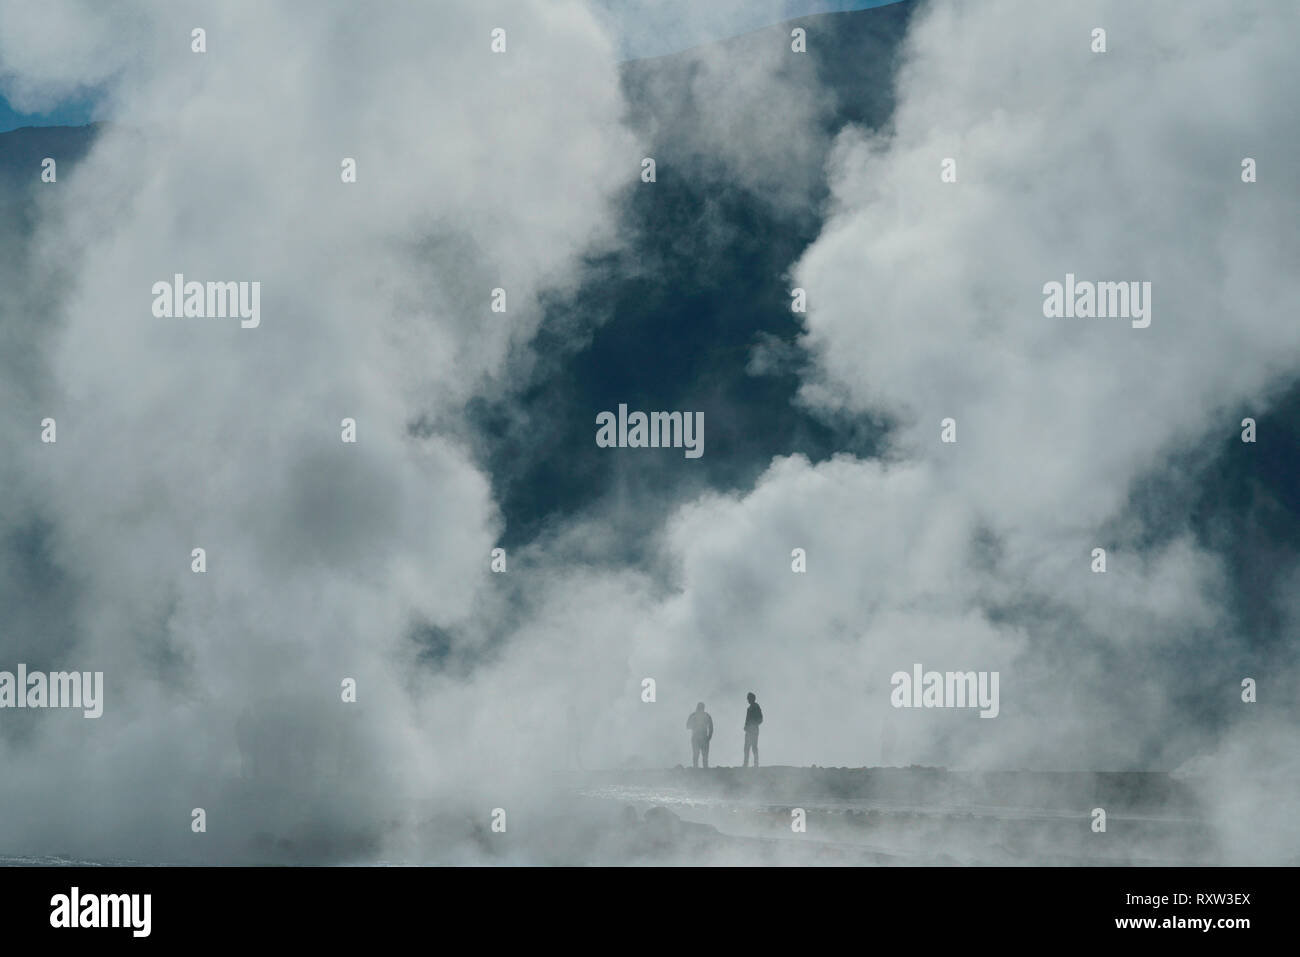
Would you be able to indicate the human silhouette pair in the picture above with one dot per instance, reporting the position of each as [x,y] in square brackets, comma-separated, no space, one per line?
[700,725]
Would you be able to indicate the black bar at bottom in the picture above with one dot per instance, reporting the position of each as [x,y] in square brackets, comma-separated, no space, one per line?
[379,904]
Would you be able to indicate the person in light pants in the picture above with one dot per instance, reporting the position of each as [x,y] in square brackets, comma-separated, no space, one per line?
[753,718]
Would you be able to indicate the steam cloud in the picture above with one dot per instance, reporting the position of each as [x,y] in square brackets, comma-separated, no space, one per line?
[476,172]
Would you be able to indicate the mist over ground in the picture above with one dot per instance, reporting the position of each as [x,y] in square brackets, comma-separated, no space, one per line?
[524,690]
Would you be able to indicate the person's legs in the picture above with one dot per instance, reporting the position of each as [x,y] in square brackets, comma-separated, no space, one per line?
[751,744]
[704,751]
[695,754]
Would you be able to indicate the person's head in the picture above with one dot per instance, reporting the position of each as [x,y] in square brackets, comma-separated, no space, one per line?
[750,696]
[700,706]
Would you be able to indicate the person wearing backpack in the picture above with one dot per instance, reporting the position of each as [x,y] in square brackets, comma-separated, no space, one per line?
[700,724]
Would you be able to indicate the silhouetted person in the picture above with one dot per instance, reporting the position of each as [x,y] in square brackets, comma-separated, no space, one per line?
[753,718]
[700,725]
